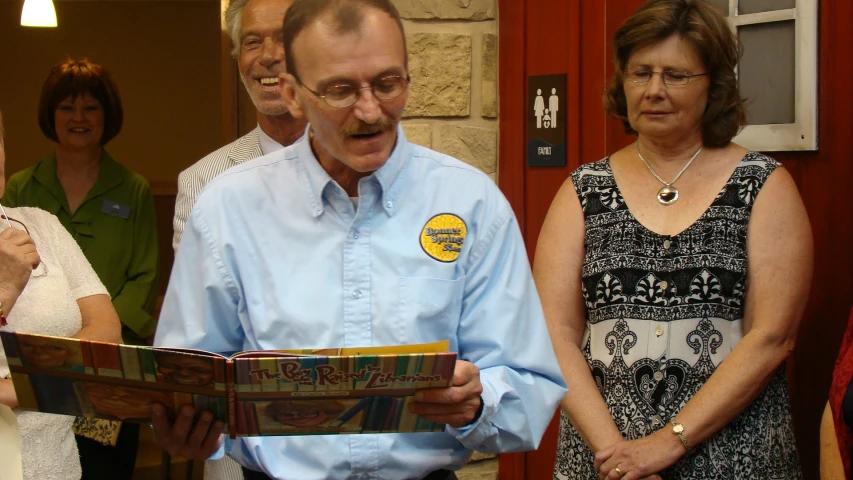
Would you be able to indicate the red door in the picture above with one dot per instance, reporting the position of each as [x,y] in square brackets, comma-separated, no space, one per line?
[539,37]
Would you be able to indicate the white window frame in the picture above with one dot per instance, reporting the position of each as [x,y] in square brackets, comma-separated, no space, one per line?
[802,134]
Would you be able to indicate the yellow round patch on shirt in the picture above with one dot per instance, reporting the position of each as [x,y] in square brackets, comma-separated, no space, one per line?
[443,236]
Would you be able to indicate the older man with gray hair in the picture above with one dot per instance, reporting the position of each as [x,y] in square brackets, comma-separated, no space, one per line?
[255,30]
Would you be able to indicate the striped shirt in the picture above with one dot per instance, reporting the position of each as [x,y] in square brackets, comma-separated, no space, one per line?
[193,180]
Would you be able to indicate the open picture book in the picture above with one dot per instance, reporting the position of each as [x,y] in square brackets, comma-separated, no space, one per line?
[275,392]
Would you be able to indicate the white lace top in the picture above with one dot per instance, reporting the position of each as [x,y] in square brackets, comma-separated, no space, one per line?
[48,306]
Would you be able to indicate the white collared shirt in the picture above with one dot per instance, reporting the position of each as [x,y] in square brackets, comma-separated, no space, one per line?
[268,145]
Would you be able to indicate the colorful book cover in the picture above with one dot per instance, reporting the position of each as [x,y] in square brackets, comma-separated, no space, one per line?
[280,392]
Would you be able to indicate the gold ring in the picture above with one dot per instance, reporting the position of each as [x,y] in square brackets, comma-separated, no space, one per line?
[618,472]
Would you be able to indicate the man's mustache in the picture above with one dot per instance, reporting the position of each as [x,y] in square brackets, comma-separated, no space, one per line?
[363,128]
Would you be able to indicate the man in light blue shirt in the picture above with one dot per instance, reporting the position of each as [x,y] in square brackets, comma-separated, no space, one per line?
[354,237]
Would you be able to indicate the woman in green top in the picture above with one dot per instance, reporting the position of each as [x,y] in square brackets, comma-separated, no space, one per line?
[108,209]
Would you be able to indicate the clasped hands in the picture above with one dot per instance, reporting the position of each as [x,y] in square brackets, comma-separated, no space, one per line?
[456,406]
[640,459]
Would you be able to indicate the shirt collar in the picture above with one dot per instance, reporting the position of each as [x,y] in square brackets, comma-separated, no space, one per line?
[268,145]
[109,176]
[318,179]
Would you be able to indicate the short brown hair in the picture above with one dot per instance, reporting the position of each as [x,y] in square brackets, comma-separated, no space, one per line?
[347,14]
[705,27]
[76,77]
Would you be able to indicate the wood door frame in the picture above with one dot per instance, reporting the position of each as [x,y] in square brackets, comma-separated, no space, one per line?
[512,168]
[511,67]
[511,149]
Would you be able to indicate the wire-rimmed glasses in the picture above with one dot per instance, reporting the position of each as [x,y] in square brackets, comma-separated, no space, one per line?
[41,270]
[670,78]
[343,95]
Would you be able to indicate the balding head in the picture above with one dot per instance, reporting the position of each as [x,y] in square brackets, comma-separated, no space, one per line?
[347,16]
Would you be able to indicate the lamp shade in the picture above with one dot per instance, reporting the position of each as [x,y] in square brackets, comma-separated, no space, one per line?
[38,13]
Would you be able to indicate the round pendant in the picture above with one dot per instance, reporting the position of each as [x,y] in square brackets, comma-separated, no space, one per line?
[667,195]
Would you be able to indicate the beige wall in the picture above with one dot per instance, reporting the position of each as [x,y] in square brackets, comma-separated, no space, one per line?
[165,58]
[453,102]
[453,63]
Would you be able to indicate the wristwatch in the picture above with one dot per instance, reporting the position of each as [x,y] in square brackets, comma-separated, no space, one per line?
[678,429]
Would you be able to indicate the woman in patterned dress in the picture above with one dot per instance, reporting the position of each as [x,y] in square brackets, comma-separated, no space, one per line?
[668,257]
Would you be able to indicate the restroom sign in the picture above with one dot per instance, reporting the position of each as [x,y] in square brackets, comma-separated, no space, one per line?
[546,124]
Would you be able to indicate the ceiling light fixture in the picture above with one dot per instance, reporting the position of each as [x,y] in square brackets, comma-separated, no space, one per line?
[38,13]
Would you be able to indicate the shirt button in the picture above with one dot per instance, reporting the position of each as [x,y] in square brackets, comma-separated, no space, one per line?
[389,204]
[659,331]
[658,376]
[356,294]
[667,244]
[355,234]
[657,420]
[664,284]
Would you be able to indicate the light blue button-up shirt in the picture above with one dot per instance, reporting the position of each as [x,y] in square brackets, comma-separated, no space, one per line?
[276,256]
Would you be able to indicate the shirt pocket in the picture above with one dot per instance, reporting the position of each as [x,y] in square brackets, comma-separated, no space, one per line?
[428,309]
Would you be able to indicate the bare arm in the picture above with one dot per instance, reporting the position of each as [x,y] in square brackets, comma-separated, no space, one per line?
[831,467]
[100,321]
[779,248]
[18,258]
[557,273]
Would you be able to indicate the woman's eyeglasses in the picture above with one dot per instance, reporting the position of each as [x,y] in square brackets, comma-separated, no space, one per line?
[670,79]
[41,270]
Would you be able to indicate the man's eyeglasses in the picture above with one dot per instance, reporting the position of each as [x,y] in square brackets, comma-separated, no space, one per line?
[41,269]
[345,95]
[670,79]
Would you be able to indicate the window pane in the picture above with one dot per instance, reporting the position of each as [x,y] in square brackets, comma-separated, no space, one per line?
[766,71]
[723,5]
[758,6]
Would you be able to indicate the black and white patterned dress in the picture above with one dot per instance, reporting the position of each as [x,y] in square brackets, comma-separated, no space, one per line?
[662,313]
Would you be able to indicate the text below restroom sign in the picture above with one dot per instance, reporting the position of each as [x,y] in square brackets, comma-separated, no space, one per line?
[546,120]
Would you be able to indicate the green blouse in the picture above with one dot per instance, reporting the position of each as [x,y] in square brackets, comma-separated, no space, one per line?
[114,226]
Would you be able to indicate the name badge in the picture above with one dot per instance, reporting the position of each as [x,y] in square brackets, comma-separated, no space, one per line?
[443,236]
[116,209]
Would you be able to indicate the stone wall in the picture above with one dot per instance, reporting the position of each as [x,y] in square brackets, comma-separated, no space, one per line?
[453,99]
[453,102]
[453,62]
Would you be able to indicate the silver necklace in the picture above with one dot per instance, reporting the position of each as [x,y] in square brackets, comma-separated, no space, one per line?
[668,194]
